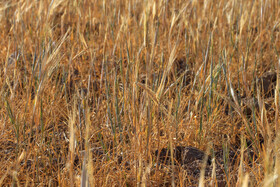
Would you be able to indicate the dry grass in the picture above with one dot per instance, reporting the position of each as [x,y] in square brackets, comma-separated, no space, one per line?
[91,90]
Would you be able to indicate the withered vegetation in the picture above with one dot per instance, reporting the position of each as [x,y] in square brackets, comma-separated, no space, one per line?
[132,93]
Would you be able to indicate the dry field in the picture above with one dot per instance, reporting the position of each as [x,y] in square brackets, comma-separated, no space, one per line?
[139,93]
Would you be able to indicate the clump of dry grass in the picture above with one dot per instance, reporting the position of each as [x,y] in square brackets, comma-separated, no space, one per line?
[91,90]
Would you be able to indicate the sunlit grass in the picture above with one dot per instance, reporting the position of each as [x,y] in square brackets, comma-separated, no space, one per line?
[91,90]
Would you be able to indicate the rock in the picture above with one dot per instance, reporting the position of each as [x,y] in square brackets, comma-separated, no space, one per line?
[190,158]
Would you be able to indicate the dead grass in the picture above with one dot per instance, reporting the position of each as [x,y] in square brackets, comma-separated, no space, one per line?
[92,91]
